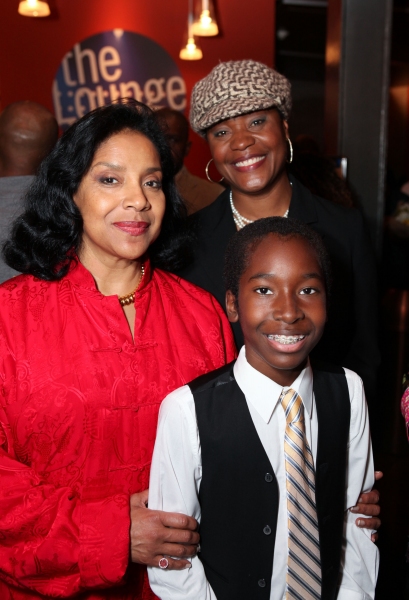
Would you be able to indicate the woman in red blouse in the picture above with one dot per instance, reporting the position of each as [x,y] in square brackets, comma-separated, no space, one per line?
[93,336]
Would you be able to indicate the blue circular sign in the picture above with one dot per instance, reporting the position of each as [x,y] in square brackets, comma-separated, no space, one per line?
[111,65]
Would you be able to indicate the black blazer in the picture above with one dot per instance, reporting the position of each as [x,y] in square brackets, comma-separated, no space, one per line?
[350,336]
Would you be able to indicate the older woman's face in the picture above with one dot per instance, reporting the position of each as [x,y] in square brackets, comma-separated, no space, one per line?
[250,151]
[121,199]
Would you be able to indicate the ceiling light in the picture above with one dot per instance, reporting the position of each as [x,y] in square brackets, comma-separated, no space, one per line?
[191,50]
[205,23]
[33,8]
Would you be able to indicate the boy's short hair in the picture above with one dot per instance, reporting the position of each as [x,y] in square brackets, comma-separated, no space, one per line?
[244,242]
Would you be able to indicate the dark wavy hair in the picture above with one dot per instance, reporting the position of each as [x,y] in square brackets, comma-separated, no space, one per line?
[244,242]
[45,239]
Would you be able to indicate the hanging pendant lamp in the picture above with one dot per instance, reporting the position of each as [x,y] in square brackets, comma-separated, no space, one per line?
[33,8]
[191,50]
[205,23]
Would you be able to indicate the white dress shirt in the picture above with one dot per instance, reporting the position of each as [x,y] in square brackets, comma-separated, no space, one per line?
[177,471]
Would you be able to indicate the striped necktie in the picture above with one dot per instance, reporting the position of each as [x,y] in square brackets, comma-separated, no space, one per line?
[304,562]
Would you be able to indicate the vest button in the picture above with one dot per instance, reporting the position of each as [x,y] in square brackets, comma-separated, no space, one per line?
[267,530]
[268,477]
[262,583]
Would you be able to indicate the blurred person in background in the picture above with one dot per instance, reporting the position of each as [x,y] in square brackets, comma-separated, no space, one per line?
[195,191]
[28,131]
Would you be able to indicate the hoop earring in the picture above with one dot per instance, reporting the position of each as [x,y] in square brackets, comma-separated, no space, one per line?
[207,173]
[291,151]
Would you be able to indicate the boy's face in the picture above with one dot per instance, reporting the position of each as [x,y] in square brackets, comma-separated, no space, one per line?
[281,307]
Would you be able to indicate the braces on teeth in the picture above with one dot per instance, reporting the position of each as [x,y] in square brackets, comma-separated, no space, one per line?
[287,339]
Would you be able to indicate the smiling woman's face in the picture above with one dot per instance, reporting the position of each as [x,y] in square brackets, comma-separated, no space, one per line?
[250,151]
[120,199]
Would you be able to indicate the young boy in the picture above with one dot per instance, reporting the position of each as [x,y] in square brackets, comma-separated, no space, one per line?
[269,452]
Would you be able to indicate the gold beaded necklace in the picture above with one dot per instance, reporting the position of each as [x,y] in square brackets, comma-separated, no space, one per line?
[130,298]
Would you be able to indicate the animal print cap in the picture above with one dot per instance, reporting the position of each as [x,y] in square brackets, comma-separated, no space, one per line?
[237,87]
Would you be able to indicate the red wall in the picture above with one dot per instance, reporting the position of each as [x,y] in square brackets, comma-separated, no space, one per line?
[31,49]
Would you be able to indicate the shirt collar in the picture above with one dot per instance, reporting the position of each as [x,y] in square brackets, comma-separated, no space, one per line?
[264,393]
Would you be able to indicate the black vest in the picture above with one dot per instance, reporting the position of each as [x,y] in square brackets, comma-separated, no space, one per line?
[239,493]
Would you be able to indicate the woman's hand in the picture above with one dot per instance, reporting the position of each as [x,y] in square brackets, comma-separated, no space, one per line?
[368,505]
[155,533]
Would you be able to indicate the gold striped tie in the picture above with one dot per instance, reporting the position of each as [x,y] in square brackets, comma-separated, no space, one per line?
[304,562]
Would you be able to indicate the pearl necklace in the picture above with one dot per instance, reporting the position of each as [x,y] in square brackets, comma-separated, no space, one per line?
[130,298]
[241,221]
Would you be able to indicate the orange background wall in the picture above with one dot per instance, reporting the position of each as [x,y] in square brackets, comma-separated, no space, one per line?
[31,49]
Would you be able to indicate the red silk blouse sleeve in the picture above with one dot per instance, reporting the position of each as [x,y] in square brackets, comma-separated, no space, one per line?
[52,542]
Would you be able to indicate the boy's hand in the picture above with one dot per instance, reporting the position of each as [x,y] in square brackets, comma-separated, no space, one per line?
[155,534]
[368,505]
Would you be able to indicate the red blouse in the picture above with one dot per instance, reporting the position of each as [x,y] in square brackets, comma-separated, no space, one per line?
[78,412]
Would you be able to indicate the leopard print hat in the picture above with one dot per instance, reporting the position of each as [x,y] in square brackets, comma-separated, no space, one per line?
[237,87]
